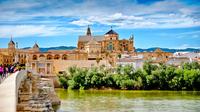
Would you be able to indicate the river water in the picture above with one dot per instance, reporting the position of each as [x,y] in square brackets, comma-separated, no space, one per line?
[128,101]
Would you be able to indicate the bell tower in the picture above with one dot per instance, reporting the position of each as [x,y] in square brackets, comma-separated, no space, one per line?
[11,49]
[11,44]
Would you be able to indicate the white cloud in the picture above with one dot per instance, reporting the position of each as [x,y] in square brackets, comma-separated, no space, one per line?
[81,22]
[35,30]
[150,21]
[184,46]
[119,13]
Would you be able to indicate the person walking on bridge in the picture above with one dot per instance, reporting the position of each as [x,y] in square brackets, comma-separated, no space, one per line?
[1,73]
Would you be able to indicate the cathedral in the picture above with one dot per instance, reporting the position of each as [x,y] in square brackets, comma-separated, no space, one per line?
[95,45]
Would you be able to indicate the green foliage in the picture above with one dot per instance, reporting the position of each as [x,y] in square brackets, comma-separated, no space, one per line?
[164,77]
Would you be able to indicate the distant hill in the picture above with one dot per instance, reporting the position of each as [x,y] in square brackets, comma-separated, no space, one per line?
[55,48]
[138,49]
[58,48]
[169,50]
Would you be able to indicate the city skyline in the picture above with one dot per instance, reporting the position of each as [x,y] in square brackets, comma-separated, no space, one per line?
[156,23]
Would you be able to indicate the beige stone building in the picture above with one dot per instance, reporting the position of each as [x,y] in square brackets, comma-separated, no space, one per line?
[37,61]
[158,56]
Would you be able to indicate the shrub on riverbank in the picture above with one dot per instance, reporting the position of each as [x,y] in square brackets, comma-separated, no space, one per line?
[162,77]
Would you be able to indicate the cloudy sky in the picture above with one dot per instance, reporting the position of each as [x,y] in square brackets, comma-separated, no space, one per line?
[154,23]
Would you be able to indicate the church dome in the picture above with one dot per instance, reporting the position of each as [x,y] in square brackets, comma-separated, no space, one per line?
[111,32]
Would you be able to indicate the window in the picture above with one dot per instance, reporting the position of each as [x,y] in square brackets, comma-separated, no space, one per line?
[49,57]
[110,47]
[34,57]
[126,48]
[57,56]
[64,57]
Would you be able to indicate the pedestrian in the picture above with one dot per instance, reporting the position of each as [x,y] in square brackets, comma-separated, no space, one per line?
[12,69]
[4,70]
[1,72]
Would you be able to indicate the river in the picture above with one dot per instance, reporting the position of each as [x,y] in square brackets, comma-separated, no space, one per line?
[128,101]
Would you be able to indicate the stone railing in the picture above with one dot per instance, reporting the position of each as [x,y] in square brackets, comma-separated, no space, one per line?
[21,76]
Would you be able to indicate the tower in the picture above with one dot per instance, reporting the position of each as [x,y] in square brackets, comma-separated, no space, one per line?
[111,40]
[11,44]
[111,35]
[88,33]
[11,50]
[36,47]
[131,43]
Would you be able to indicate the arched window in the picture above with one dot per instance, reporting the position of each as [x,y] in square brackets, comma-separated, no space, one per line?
[64,57]
[110,47]
[57,56]
[22,61]
[34,57]
[49,57]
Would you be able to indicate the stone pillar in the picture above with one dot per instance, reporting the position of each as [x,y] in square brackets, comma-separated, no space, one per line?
[16,58]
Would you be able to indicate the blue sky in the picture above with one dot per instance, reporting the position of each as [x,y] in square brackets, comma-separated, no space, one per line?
[154,23]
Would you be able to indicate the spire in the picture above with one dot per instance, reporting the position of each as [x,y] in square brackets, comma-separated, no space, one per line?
[35,45]
[131,37]
[88,31]
[11,41]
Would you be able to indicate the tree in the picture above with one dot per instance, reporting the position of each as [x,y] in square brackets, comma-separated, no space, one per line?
[165,77]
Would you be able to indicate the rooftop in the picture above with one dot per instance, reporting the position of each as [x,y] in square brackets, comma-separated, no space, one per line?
[111,32]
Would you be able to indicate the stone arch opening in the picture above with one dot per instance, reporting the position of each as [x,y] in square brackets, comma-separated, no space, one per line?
[34,57]
[64,57]
[57,56]
[49,57]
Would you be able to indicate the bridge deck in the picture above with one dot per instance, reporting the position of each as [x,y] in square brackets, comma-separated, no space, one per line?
[8,94]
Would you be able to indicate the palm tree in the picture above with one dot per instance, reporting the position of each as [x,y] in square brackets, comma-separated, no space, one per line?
[107,55]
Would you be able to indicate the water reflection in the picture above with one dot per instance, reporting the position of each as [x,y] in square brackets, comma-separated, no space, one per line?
[128,101]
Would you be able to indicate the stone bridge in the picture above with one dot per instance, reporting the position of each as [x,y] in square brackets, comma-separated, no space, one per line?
[23,91]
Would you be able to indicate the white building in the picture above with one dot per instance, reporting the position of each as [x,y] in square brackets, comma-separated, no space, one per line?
[134,61]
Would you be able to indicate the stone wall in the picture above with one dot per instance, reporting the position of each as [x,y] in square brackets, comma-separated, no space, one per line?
[36,94]
[63,65]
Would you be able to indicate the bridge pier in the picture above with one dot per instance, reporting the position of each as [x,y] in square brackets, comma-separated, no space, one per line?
[23,91]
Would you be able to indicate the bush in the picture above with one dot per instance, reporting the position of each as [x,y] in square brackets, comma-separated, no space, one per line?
[164,77]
